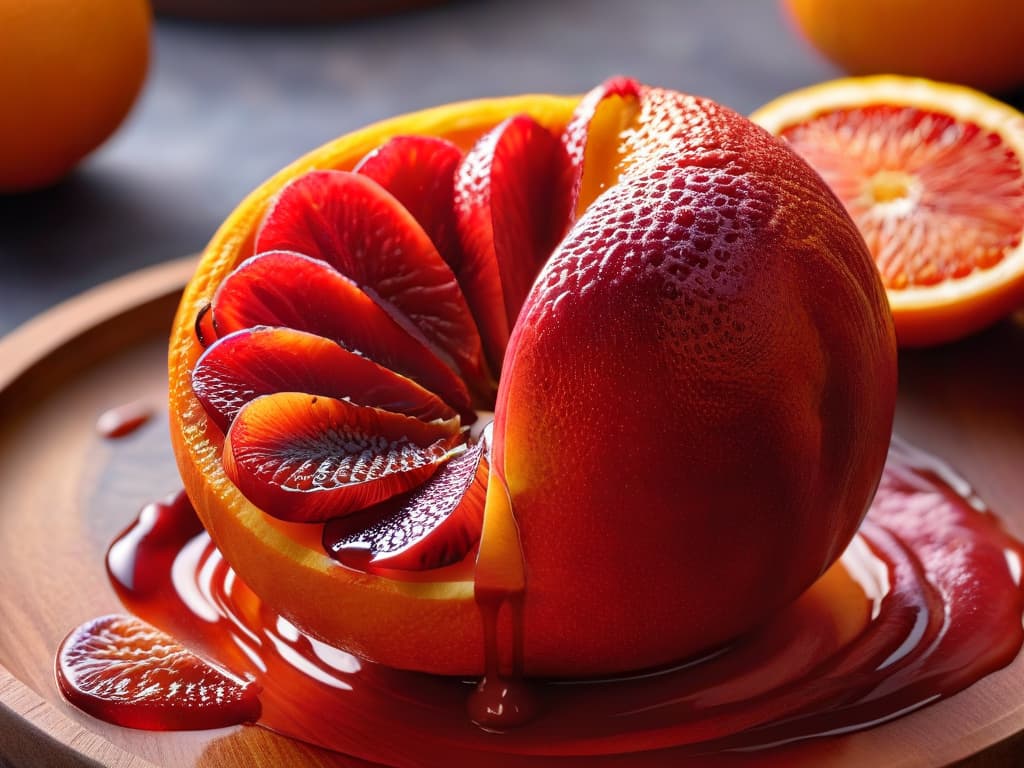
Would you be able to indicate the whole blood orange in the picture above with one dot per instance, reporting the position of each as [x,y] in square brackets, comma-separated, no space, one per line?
[69,72]
[693,409]
[933,175]
[976,43]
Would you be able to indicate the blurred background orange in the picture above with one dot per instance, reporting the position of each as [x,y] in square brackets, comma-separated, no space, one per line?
[69,73]
[979,43]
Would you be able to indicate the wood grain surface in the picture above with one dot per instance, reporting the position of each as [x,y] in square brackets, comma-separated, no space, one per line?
[67,492]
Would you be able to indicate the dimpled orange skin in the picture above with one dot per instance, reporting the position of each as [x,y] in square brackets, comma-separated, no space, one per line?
[696,401]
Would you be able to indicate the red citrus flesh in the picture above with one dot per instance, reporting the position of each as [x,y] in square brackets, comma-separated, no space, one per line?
[936,198]
[124,671]
[511,204]
[261,361]
[307,459]
[435,525]
[933,175]
[420,172]
[286,289]
[358,227]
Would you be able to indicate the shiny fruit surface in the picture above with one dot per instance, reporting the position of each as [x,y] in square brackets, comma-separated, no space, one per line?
[420,621]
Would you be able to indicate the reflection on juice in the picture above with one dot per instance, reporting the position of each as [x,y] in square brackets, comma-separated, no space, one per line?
[925,601]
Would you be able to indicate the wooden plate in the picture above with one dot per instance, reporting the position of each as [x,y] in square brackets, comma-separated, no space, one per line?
[67,492]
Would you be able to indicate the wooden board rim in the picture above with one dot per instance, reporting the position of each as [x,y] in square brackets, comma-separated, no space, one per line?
[54,736]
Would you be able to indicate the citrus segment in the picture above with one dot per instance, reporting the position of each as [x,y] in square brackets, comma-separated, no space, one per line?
[285,562]
[280,288]
[125,671]
[593,138]
[261,361]
[933,175]
[432,526]
[306,458]
[354,224]
[420,172]
[511,206]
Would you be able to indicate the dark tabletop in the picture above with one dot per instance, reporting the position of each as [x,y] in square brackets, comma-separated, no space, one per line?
[227,105]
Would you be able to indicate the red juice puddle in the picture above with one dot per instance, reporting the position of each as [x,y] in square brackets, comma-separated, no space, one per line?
[122,420]
[926,600]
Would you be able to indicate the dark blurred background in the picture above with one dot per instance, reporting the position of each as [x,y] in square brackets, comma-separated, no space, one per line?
[225,105]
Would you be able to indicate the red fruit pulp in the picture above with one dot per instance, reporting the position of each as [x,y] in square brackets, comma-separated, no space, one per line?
[285,289]
[436,524]
[125,671]
[511,208]
[305,458]
[354,224]
[420,172]
[261,361]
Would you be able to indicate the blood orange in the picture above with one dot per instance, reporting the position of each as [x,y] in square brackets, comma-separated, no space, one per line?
[933,175]
[698,390]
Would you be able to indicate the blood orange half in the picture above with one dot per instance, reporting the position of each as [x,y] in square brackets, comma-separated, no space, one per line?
[933,175]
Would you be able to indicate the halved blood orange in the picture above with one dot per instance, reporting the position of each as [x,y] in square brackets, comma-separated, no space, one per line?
[425,620]
[933,176]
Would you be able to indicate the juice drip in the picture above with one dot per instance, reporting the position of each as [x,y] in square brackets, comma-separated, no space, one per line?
[503,699]
[926,600]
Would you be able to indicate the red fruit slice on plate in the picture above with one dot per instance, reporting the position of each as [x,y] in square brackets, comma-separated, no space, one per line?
[287,289]
[435,525]
[122,670]
[306,458]
[420,172]
[592,138]
[512,208]
[354,224]
[261,361]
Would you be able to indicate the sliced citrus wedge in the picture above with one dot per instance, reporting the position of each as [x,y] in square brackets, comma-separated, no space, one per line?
[933,175]
[307,458]
[397,621]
